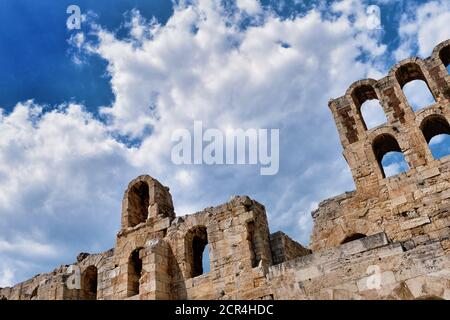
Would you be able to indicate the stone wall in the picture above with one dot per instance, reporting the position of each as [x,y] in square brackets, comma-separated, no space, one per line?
[284,248]
[411,204]
[367,268]
[388,239]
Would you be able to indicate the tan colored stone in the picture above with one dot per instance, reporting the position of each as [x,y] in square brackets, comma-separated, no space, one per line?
[394,228]
[412,223]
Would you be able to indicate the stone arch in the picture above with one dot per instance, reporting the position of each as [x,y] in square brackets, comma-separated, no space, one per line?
[196,240]
[89,283]
[134,272]
[444,55]
[435,125]
[350,227]
[442,51]
[409,70]
[360,83]
[146,199]
[382,145]
[361,92]
[138,203]
[422,114]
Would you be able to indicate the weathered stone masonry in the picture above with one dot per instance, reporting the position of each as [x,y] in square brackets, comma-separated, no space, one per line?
[393,232]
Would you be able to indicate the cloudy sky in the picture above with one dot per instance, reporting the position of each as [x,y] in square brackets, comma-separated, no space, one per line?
[84,111]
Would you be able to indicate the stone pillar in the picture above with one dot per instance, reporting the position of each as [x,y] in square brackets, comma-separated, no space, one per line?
[156,276]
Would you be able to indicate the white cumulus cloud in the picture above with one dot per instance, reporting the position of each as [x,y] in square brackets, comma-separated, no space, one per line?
[422,27]
[63,170]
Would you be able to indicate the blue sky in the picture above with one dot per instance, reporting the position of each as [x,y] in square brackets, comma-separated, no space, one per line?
[85,111]
[38,50]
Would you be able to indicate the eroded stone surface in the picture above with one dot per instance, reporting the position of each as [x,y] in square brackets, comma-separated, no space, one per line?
[388,239]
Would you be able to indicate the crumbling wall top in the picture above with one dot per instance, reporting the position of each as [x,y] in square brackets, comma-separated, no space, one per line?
[146,198]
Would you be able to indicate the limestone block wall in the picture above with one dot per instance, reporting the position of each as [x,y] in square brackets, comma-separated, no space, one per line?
[154,259]
[285,249]
[411,204]
[388,239]
[64,282]
[145,199]
[238,237]
[408,205]
[247,263]
[368,268]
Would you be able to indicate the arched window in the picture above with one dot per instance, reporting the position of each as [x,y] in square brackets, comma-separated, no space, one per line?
[415,86]
[373,113]
[418,94]
[389,155]
[354,236]
[138,202]
[369,107]
[436,131]
[444,54]
[196,250]
[89,280]
[134,272]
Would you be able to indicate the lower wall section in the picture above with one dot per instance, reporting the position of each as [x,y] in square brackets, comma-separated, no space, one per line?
[368,268]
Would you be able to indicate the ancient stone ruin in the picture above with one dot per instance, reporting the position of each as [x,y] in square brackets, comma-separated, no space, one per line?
[388,239]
